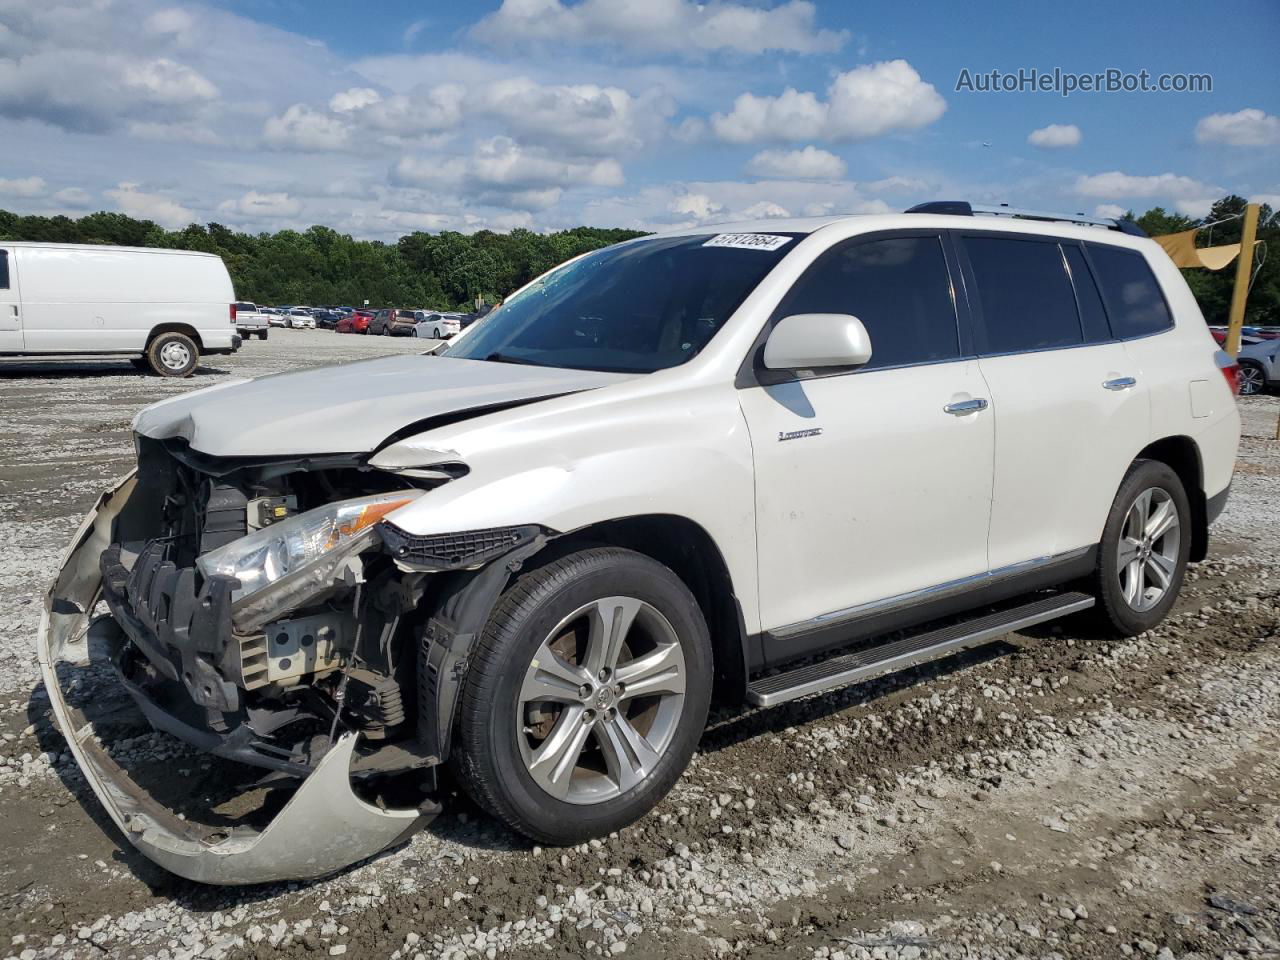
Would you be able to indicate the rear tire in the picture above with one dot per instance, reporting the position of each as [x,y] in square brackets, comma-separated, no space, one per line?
[262,334]
[1253,379]
[554,736]
[1144,549]
[173,354]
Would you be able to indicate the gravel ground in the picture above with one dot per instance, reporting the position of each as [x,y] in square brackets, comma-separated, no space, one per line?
[1051,795]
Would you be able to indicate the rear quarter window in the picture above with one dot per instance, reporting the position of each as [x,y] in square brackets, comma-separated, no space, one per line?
[4,269]
[1134,302]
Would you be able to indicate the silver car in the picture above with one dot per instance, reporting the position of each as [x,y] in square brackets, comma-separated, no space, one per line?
[1259,367]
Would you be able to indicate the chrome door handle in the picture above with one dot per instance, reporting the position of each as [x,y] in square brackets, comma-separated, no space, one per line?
[961,407]
[1120,383]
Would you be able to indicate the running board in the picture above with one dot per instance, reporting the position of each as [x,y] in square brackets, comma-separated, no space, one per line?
[850,668]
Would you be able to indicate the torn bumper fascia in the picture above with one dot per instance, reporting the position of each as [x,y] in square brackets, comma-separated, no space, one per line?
[324,826]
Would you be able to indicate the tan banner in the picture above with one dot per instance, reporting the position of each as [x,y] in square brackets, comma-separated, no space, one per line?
[1183,251]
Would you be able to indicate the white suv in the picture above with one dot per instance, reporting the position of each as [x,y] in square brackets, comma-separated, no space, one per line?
[763,461]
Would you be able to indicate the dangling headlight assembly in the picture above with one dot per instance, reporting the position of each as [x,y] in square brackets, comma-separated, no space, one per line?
[314,541]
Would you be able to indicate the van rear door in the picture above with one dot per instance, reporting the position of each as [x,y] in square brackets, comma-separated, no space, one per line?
[11,339]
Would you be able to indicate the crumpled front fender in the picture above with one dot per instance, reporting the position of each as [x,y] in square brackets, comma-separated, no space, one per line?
[324,826]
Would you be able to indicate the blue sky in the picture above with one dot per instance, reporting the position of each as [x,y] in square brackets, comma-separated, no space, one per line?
[378,118]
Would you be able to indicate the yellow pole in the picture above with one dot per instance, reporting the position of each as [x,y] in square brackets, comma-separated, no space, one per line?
[1244,270]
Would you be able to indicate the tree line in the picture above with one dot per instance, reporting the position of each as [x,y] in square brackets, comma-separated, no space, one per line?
[442,271]
[449,270]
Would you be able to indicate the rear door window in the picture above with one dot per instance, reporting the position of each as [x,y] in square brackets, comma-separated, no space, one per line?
[899,287]
[1093,315]
[1026,299]
[1134,302]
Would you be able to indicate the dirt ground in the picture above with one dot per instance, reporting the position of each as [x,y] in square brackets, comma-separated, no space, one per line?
[1053,795]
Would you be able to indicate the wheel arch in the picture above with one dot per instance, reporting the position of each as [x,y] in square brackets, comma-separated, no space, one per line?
[691,553]
[183,328]
[1182,455]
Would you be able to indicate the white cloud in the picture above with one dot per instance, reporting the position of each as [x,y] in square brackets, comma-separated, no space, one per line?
[353,99]
[897,184]
[22,187]
[807,164]
[302,128]
[1245,128]
[1188,196]
[766,210]
[75,198]
[263,206]
[1116,185]
[150,206]
[696,205]
[1055,136]
[1109,210]
[501,172]
[680,27]
[862,103]
[583,118]
[176,133]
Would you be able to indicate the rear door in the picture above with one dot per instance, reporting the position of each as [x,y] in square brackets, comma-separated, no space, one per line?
[10,303]
[1070,410]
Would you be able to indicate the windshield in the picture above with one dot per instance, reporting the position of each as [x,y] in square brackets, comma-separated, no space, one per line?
[634,308]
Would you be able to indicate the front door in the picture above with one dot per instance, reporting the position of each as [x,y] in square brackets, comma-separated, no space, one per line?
[876,483]
[11,340]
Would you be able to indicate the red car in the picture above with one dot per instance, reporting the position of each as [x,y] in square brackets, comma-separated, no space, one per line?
[357,322]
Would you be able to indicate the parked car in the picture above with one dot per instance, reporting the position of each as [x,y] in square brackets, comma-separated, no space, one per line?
[300,318]
[251,320]
[161,309]
[275,316]
[357,322]
[327,319]
[391,322]
[436,326]
[531,559]
[1259,367]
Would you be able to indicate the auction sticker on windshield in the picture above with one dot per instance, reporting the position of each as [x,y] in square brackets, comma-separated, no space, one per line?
[748,241]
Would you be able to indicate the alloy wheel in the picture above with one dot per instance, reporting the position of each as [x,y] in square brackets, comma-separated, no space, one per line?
[1250,380]
[1147,554]
[601,700]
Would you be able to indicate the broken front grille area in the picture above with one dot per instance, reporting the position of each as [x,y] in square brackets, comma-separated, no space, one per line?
[454,551]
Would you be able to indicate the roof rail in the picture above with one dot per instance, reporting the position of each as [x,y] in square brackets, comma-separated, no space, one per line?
[962,208]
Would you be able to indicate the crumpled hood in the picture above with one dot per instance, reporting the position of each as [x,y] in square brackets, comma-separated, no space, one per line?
[350,408]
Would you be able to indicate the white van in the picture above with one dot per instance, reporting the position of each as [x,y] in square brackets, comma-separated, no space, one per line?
[162,309]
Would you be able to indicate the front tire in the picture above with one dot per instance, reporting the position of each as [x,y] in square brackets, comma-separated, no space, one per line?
[173,354]
[1144,549]
[585,697]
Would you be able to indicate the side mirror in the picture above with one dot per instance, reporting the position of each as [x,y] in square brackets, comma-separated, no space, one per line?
[805,341]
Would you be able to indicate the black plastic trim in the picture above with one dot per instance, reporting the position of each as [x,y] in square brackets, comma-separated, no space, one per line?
[808,639]
[1216,504]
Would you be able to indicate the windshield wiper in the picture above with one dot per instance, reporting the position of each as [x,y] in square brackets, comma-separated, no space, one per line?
[508,358]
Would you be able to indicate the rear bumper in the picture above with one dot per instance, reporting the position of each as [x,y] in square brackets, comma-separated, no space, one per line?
[324,827]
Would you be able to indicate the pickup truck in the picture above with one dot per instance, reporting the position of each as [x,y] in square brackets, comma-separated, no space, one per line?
[251,321]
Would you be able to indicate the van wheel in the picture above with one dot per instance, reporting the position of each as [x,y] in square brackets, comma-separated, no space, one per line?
[173,355]
[585,696]
[1144,549]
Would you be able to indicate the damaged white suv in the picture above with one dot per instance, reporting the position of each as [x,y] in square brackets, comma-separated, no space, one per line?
[763,461]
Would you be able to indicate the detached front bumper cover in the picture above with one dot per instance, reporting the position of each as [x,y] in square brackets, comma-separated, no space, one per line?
[324,826]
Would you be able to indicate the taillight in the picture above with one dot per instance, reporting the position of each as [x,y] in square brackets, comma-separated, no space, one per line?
[1230,369]
[233,313]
